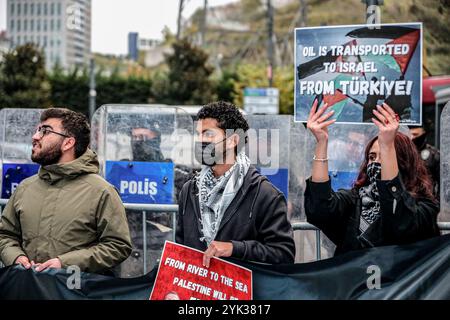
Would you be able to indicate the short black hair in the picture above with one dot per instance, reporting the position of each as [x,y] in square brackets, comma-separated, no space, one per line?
[75,124]
[227,115]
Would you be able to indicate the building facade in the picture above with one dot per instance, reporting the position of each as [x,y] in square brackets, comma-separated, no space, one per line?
[61,28]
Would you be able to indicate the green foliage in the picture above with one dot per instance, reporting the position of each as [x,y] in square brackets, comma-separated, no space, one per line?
[225,85]
[23,81]
[187,79]
[116,89]
[72,90]
[250,47]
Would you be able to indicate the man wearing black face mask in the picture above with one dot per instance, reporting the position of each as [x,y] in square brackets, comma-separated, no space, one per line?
[146,147]
[429,154]
[229,209]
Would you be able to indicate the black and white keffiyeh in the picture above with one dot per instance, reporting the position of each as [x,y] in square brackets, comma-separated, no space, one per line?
[216,194]
[370,199]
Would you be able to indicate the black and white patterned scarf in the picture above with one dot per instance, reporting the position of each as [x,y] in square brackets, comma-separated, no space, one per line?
[216,194]
[370,199]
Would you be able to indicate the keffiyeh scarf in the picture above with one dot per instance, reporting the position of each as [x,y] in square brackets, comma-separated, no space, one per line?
[370,199]
[216,194]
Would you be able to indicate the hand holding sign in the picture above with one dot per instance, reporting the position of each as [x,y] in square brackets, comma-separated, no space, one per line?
[217,249]
[181,275]
[387,123]
[317,122]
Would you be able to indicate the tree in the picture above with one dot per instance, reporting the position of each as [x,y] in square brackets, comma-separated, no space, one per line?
[23,80]
[225,85]
[187,79]
[72,89]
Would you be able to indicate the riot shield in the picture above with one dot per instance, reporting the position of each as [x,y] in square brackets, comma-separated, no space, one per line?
[145,151]
[276,148]
[17,127]
[445,165]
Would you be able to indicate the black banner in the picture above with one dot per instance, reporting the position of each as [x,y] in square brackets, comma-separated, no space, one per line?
[417,271]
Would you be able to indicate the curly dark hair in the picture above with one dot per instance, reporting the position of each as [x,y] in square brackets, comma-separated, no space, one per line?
[228,117]
[74,124]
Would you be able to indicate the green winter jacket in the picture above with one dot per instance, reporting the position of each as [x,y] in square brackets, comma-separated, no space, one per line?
[66,211]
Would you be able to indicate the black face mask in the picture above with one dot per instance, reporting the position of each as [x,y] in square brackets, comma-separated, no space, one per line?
[148,150]
[205,153]
[420,141]
[374,171]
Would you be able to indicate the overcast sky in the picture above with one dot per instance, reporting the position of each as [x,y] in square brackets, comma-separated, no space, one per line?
[113,19]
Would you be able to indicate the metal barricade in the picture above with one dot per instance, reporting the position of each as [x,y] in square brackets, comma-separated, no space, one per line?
[173,209]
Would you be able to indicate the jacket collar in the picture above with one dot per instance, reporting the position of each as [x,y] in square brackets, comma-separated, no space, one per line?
[86,163]
[253,177]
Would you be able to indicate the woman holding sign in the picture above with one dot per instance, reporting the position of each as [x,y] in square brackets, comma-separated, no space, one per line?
[390,203]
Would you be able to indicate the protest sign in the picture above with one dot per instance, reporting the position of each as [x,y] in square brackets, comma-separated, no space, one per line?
[354,68]
[182,276]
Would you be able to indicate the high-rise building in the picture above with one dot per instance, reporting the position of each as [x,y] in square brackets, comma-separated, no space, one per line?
[133,38]
[153,51]
[62,28]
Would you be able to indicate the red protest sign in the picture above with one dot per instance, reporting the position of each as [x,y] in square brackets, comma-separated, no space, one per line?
[181,276]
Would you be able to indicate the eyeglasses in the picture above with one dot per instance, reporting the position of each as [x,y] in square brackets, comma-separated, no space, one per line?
[44,130]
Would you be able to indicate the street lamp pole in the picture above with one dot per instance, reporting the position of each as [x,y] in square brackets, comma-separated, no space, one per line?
[270,44]
[92,91]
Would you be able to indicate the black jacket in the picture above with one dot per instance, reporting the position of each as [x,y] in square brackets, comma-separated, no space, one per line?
[255,221]
[403,219]
[431,156]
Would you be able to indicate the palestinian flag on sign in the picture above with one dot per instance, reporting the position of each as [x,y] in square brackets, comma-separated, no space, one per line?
[314,69]
[398,35]
[338,100]
[315,66]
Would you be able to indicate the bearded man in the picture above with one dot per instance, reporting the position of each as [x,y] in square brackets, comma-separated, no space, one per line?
[67,214]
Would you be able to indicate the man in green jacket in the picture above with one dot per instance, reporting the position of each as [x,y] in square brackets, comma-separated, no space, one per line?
[66,214]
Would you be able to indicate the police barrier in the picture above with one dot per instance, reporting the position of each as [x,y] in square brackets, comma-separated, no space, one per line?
[276,148]
[145,151]
[445,164]
[345,143]
[17,126]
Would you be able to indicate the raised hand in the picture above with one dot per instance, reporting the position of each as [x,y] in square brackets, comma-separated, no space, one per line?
[317,122]
[387,122]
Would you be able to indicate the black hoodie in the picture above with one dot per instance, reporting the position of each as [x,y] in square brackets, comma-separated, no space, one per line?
[255,222]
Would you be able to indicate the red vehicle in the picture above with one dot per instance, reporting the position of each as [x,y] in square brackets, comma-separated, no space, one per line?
[430,86]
